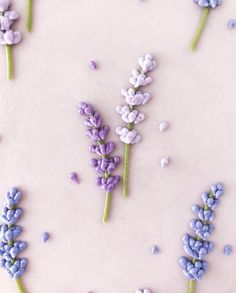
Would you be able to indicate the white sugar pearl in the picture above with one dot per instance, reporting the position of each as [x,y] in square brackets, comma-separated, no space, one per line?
[139,291]
[163,126]
[165,161]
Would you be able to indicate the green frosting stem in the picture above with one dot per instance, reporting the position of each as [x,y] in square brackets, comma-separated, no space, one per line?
[126,170]
[126,165]
[201,26]
[192,285]
[29,15]
[9,61]
[107,207]
[20,286]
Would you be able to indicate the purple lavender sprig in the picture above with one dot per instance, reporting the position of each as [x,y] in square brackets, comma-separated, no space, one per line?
[206,6]
[134,97]
[105,164]
[198,246]
[10,248]
[8,37]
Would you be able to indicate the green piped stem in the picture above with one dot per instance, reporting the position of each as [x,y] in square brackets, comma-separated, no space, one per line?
[201,26]
[20,286]
[192,286]
[29,15]
[8,49]
[126,165]
[107,207]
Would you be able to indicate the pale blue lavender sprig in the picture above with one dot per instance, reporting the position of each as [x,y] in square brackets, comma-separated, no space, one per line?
[206,6]
[197,247]
[105,164]
[10,247]
[8,36]
[134,97]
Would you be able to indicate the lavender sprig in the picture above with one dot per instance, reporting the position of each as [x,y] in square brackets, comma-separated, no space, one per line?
[206,5]
[105,164]
[8,37]
[10,248]
[134,97]
[198,247]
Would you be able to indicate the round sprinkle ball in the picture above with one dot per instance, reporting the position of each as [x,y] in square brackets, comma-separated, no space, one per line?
[155,249]
[231,24]
[165,161]
[92,65]
[163,126]
[45,236]
[228,249]
[143,291]
[74,177]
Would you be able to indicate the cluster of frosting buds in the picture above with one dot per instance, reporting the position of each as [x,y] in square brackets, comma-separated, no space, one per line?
[130,114]
[7,17]
[135,97]
[105,164]
[208,3]
[10,248]
[8,36]
[198,247]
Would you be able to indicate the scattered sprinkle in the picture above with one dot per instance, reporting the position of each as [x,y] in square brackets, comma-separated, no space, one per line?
[45,237]
[165,161]
[143,291]
[155,249]
[228,249]
[163,126]
[92,64]
[231,24]
[74,177]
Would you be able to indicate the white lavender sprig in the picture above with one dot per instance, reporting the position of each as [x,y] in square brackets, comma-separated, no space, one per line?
[134,97]
[8,37]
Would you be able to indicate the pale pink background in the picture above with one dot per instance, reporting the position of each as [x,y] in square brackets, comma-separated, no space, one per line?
[42,141]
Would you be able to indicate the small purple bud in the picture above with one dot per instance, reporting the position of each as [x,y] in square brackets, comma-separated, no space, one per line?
[92,64]
[228,250]
[74,177]
[45,236]
[231,24]
[155,249]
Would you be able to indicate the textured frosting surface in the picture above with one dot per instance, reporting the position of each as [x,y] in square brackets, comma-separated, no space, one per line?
[42,142]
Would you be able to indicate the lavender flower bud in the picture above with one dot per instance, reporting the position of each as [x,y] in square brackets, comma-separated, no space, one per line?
[4,5]
[11,37]
[134,98]
[139,79]
[208,3]
[147,63]
[130,116]
[128,136]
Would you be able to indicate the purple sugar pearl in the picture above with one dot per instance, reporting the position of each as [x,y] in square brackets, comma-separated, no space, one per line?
[92,64]
[74,177]
[155,249]
[231,24]
[45,237]
[228,249]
